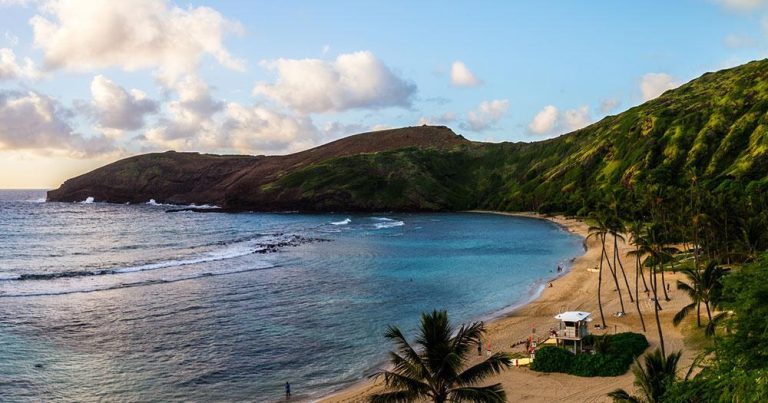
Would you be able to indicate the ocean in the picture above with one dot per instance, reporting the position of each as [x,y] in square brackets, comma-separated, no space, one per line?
[132,303]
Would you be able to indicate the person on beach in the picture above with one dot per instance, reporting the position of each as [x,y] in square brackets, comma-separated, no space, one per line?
[559,269]
[287,390]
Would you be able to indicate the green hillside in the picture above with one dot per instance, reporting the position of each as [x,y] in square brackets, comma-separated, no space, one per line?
[713,128]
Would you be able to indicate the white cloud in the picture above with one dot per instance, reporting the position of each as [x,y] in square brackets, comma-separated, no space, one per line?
[32,121]
[742,5]
[461,76]
[326,49]
[654,84]
[551,120]
[83,35]
[10,38]
[188,117]
[353,80]
[10,69]
[259,130]
[441,120]
[335,129]
[379,127]
[116,108]
[575,119]
[487,114]
[609,104]
[238,128]
[544,122]
[739,41]
[196,121]
[10,3]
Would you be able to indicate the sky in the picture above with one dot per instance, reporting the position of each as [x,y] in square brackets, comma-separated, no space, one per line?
[87,82]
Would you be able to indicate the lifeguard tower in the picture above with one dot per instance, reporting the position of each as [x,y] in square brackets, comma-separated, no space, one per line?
[573,329]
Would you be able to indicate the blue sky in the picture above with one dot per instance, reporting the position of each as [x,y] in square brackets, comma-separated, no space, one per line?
[83,83]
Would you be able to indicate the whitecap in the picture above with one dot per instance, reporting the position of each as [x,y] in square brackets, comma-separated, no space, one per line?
[153,202]
[88,200]
[342,222]
[388,224]
[8,276]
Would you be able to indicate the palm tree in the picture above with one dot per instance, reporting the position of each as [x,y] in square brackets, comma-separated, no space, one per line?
[616,227]
[694,292]
[652,380]
[598,230]
[635,230]
[656,251]
[704,288]
[434,370]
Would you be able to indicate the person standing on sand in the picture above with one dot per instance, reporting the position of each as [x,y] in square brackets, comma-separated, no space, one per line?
[287,390]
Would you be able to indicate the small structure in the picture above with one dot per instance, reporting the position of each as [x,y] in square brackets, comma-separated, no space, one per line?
[573,329]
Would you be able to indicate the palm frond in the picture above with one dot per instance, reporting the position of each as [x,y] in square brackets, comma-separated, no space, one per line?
[493,365]
[683,313]
[620,395]
[485,394]
[398,381]
[716,320]
[400,396]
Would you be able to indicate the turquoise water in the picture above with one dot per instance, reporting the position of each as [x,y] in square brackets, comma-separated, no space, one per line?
[128,302]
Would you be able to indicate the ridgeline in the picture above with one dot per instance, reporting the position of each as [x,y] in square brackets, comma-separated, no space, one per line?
[711,132]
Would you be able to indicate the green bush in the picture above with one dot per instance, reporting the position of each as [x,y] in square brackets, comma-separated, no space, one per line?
[613,357]
[552,359]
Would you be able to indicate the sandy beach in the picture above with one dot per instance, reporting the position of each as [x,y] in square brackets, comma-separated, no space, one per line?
[576,290]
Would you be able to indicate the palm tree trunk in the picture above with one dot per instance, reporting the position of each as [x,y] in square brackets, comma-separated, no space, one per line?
[698,314]
[615,279]
[637,290]
[624,274]
[642,275]
[709,313]
[600,287]
[664,282]
[656,311]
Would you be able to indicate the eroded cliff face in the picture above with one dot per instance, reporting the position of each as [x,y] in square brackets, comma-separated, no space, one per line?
[236,182]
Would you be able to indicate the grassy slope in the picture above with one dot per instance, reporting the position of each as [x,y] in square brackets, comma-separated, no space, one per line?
[715,126]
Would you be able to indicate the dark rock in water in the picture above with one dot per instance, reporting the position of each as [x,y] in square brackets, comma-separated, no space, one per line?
[38,365]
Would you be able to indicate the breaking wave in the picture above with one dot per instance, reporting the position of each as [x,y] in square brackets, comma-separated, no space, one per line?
[384,222]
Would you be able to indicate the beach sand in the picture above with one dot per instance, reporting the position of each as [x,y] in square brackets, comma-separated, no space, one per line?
[576,290]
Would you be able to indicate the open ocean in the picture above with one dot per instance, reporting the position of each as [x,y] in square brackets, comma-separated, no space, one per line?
[130,303]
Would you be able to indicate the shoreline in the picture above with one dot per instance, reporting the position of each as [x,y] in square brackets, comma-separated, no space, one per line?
[574,289]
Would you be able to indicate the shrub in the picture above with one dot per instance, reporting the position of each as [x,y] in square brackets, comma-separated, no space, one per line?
[613,357]
[552,359]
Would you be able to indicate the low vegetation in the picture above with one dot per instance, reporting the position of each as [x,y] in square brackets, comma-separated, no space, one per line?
[613,355]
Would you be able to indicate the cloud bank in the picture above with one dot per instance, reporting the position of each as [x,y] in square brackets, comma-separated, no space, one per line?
[84,35]
[352,80]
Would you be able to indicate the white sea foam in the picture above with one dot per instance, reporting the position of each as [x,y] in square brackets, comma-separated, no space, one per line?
[385,222]
[230,252]
[152,202]
[88,200]
[203,206]
[8,276]
[342,222]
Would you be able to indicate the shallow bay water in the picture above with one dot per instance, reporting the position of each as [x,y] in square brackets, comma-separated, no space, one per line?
[130,303]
